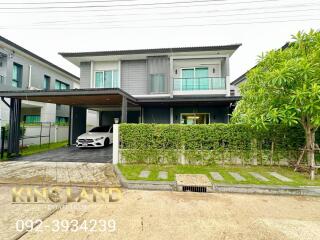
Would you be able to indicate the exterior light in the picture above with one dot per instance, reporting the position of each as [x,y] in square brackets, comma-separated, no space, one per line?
[116,120]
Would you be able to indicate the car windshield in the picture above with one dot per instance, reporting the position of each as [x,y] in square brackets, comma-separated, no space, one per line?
[100,129]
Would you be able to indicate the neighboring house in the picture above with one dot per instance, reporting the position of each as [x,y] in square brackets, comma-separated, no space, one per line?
[21,69]
[236,83]
[170,85]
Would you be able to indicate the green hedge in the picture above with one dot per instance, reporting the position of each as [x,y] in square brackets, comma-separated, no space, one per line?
[208,144]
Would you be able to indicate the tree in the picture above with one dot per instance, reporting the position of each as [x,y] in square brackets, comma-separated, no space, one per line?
[284,88]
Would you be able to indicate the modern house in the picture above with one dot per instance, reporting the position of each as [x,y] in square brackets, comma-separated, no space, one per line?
[170,85]
[20,70]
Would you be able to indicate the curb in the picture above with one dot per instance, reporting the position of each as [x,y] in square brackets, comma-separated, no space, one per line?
[268,190]
[220,188]
[143,185]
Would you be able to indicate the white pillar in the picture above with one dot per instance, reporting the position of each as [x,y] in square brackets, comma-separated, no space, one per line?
[115,147]
[171,115]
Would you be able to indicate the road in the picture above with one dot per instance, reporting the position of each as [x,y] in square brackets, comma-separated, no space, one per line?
[175,215]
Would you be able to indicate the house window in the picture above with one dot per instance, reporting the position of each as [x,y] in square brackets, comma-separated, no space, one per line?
[195,118]
[157,83]
[107,79]
[195,78]
[46,82]
[61,85]
[31,118]
[17,75]
[62,120]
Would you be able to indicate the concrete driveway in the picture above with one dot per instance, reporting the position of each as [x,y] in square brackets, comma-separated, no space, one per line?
[73,154]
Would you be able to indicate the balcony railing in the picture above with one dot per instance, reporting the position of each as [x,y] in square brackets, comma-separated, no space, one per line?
[199,84]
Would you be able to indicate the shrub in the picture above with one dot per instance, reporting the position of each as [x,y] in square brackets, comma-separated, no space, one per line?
[208,144]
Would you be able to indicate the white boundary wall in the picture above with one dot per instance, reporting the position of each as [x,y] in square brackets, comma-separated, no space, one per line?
[115,147]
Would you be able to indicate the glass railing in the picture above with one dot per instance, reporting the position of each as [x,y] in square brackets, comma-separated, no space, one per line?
[198,84]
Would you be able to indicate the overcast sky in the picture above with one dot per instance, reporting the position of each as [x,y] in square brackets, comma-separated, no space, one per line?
[47,27]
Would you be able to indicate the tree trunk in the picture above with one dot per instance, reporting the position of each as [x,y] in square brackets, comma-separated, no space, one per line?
[310,142]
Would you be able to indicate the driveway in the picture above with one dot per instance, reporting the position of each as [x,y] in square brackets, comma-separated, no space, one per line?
[72,154]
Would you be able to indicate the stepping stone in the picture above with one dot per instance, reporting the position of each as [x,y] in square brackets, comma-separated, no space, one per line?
[237,176]
[144,174]
[163,175]
[216,176]
[259,176]
[280,177]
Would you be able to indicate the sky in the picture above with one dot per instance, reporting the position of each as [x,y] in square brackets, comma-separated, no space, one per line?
[47,27]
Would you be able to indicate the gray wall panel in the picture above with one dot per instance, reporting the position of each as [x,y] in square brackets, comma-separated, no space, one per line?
[134,77]
[85,74]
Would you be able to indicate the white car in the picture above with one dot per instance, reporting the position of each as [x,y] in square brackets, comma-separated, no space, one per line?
[96,137]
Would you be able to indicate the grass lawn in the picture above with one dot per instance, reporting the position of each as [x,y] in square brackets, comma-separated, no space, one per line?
[131,172]
[32,149]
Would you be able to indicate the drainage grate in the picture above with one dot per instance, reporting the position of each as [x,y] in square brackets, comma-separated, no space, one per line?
[194,189]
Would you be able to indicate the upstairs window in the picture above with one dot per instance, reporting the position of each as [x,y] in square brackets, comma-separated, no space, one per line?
[157,83]
[107,79]
[46,82]
[17,75]
[61,85]
[195,78]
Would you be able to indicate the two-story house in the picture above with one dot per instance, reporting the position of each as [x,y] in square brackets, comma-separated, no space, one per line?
[188,85]
[168,85]
[21,69]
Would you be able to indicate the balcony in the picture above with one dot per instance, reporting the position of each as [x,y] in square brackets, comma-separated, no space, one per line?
[201,85]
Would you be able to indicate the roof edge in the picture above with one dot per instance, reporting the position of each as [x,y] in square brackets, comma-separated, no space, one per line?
[151,50]
[14,45]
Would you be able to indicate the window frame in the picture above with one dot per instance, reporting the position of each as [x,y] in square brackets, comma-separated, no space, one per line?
[204,113]
[17,81]
[45,78]
[164,83]
[103,78]
[194,76]
[60,84]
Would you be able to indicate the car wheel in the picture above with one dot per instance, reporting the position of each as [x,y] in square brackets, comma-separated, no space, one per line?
[106,142]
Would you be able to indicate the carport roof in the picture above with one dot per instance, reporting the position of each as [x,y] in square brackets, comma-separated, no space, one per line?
[94,97]
[74,97]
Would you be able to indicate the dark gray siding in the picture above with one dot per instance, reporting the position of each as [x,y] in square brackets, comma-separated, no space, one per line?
[107,117]
[156,114]
[134,77]
[217,114]
[85,74]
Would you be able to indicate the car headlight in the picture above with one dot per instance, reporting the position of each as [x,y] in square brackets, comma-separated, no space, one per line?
[99,138]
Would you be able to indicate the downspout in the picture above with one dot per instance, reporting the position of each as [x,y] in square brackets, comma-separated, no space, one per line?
[29,79]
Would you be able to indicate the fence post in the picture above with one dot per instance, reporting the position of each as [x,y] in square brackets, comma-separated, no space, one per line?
[115,147]
[2,136]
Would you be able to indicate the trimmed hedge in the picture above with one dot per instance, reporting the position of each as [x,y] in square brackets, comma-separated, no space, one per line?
[208,144]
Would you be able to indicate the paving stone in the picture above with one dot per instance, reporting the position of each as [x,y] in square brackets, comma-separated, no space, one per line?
[144,174]
[216,176]
[163,175]
[237,176]
[280,177]
[259,176]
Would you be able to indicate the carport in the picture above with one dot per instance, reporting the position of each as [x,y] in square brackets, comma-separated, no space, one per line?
[79,101]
